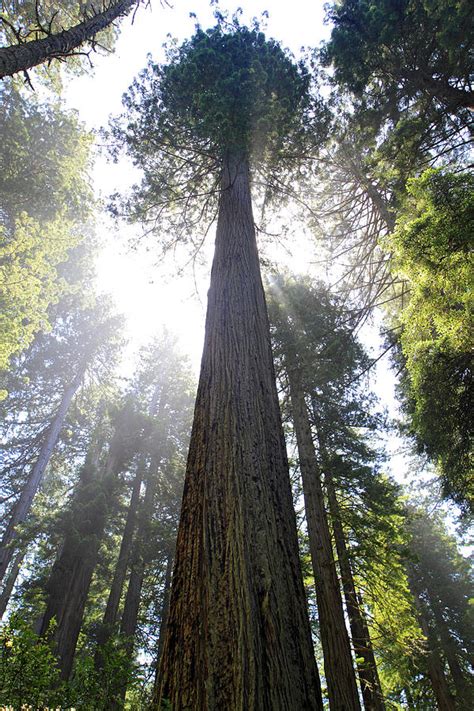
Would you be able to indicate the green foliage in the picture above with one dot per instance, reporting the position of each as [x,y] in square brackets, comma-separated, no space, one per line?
[442,583]
[91,689]
[44,159]
[403,52]
[313,335]
[29,281]
[44,194]
[25,20]
[231,91]
[431,247]
[84,337]
[28,671]
[227,91]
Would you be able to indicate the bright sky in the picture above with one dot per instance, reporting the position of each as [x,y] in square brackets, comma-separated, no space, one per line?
[149,294]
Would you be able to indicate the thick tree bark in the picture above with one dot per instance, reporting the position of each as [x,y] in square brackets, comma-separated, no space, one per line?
[338,665]
[366,665]
[21,57]
[23,505]
[238,635]
[71,576]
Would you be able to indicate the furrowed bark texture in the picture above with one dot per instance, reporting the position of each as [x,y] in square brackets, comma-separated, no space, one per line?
[338,666]
[21,57]
[238,635]
[23,505]
[366,665]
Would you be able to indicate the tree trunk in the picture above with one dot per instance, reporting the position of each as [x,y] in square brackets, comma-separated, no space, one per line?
[126,546]
[238,635]
[461,684]
[131,607]
[10,582]
[338,665]
[366,666]
[23,505]
[164,616]
[113,601]
[70,579]
[21,57]
[444,698]
[440,88]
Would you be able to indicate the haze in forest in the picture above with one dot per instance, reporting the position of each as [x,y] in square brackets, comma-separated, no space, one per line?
[236,356]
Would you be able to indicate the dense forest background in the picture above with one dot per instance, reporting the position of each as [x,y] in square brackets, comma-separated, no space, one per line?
[325,444]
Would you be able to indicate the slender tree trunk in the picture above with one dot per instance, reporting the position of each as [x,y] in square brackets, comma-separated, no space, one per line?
[113,601]
[461,684]
[23,505]
[126,547]
[238,635]
[21,57]
[338,665]
[131,607]
[366,665]
[10,582]
[70,579]
[165,606]
[444,698]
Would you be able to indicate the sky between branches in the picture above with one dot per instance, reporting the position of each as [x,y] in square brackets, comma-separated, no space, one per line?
[149,293]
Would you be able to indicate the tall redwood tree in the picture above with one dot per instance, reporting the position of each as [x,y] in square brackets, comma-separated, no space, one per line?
[222,110]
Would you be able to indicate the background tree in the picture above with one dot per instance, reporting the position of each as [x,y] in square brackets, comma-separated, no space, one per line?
[309,328]
[76,544]
[291,342]
[84,526]
[44,151]
[163,390]
[431,247]
[442,583]
[405,55]
[404,114]
[61,368]
[36,32]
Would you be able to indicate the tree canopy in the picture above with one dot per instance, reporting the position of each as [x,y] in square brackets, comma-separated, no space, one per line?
[432,252]
[156,554]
